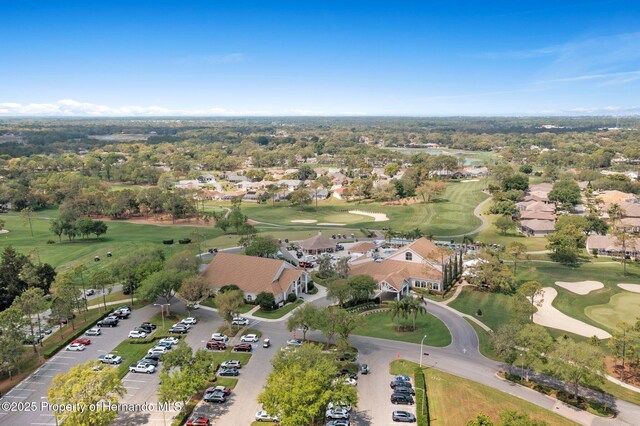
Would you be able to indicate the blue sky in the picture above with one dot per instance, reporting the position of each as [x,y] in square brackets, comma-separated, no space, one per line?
[319,58]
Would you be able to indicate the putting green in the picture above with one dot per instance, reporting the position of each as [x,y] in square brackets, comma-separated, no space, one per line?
[621,307]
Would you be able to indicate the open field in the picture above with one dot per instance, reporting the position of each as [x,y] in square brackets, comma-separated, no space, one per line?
[382,326]
[450,214]
[454,400]
[469,157]
[496,307]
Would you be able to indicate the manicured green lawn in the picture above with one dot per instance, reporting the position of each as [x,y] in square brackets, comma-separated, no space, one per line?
[453,401]
[382,326]
[116,295]
[490,235]
[623,306]
[120,239]
[278,313]
[496,308]
[450,214]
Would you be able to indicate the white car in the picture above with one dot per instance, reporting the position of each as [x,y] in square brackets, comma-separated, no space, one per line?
[75,347]
[157,350]
[339,405]
[170,340]
[240,321]
[137,334]
[263,416]
[234,363]
[189,321]
[93,332]
[219,337]
[142,367]
[337,413]
[249,338]
[294,342]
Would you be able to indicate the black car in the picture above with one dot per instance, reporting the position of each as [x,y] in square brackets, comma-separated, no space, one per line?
[404,389]
[403,417]
[144,328]
[152,357]
[108,322]
[401,398]
[395,383]
[179,330]
[153,362]
[149,324]
[228,372]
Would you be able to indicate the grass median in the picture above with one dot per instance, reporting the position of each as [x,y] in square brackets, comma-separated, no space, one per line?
[278,313]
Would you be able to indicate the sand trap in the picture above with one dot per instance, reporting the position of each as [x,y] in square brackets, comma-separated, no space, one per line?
[580,287]
[634,288]
[4,231]
[470,180]
[304,221]
[549,316]
[377,217]
[331,224]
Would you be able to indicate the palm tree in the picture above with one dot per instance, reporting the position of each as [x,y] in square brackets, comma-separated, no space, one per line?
[415,308]
[398,309]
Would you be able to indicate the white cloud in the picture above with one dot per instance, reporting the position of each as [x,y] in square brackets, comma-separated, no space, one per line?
[73,108]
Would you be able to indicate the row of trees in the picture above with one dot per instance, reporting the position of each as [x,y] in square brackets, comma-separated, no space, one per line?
[71,227]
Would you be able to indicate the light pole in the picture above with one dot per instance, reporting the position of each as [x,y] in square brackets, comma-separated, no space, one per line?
[421,342]
[162,305]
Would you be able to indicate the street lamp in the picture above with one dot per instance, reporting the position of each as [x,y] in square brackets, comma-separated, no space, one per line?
[162,305]
[421,342]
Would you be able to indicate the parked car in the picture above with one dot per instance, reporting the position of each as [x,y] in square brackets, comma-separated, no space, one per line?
[225,390]
[234,363]
[395,383]
[144,328]
[266,343]
[239,321]
[150,325]
[157,350]
[170,340]
[242,347]
[75,347]
[401,398]
[110,359]
[179,330]
[337,413]
[228,372]
[219,337]
[189,321]
[126,308]
[214,396]
[31,340]
[82,341]
[364,369]
[108,322]
[339,404]
[93,332]
[142,367]
[403,417]
[249,338]
[165,345]
[404,389]
[263,416]
[121,314]
[149,361]
[198,421]
[216,346]
[155,357]
[294,342]
[338,422]
[183,325]
[135,334]
[89,292]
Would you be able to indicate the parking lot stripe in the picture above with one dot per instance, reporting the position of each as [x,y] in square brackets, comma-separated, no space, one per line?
[132,380]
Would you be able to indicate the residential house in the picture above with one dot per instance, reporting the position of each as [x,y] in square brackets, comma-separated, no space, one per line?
[606,245]
[254,275]
[537,227]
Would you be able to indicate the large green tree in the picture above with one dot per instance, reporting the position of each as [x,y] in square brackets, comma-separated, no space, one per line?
[577,363]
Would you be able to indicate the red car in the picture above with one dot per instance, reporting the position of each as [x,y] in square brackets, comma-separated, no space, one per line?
[215,345]
[82,341]
[225,390]
[199,421]
[242,347]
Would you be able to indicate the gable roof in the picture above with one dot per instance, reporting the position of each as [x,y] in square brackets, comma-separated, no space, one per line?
[422,246]
[538,225]
[528,214]
[251,274]
[395,272]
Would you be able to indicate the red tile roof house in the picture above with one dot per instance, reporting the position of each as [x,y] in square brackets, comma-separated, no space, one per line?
[254,275]
[414,265]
